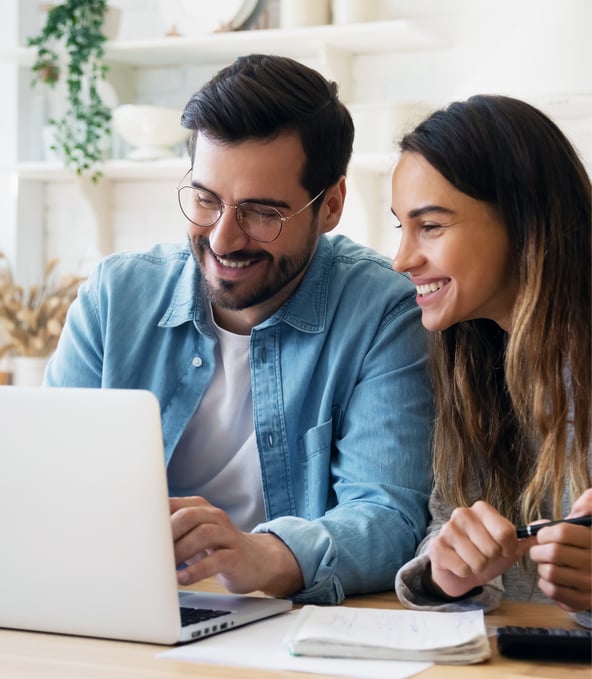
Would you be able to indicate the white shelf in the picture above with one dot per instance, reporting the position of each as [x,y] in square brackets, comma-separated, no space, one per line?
[360,38]
[363,38]
[167,168]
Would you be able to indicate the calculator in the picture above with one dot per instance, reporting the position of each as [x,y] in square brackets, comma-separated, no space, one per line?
[541,643]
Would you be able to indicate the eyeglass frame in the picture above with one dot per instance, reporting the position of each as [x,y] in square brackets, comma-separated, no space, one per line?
[222,206]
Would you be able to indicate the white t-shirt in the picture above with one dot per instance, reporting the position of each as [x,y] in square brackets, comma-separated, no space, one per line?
[217,455]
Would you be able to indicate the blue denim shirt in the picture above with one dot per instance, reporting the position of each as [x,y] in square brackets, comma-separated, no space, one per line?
[341,399]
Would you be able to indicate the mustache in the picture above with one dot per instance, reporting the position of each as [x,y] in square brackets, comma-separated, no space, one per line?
[201,243]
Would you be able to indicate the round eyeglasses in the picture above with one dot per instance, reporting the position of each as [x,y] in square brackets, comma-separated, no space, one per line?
[260,222]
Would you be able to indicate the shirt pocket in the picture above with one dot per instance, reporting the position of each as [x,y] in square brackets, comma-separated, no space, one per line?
[315,468]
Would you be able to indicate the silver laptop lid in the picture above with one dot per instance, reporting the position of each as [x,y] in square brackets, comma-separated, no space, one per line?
[84,519]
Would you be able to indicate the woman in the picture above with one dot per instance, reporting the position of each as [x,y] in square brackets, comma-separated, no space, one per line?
[494,207]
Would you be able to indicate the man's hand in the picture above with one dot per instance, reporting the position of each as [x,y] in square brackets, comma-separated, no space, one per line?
[563,554]
[211,545]
[473,547]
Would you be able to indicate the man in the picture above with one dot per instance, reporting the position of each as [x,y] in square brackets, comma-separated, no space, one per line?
[290,367]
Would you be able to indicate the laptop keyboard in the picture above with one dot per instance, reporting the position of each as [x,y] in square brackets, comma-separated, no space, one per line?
[190,616]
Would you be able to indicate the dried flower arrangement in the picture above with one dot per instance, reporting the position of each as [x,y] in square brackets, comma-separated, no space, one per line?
[32,320]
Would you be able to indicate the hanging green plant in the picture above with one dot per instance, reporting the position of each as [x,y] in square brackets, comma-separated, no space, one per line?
[72,40]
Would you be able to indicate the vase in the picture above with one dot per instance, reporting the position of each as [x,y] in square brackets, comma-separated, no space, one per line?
[298,13]
[354,11]
[28,371]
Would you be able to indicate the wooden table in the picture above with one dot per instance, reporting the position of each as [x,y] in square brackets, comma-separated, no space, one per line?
[27,655]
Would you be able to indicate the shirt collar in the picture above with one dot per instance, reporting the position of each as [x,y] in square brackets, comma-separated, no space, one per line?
[306,309]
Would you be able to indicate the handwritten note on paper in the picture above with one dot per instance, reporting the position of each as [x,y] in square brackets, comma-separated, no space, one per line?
[392,629]
[261,645]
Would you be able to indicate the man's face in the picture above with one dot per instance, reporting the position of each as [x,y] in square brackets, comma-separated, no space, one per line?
[247,280]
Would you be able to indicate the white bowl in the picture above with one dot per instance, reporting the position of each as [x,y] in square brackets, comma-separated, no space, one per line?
[151,130]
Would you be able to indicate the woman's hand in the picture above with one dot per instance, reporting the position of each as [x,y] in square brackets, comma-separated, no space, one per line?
[563,554]
[473,547]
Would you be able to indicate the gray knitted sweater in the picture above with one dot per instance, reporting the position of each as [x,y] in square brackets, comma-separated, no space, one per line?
[518,583]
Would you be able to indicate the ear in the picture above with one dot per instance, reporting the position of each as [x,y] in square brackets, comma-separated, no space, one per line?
[332,208]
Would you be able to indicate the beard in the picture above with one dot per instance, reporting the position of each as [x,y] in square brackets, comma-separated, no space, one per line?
[235,296]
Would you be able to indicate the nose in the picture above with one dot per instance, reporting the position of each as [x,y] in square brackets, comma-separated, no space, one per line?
[408,256]
[226,234]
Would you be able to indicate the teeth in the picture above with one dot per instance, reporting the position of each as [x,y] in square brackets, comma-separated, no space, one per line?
[232,263]
[429,287]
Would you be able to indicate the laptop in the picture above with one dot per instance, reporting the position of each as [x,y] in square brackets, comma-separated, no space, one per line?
[87,545]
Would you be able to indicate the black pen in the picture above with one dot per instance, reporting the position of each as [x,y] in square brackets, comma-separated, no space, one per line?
[534,528]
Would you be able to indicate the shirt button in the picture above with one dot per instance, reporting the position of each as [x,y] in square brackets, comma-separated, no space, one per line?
[196,362]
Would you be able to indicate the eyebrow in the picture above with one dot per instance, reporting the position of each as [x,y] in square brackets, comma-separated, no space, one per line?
[427,209]
[262,201]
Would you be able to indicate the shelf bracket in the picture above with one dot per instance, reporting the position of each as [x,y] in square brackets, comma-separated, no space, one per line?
[338,65]
[98,197]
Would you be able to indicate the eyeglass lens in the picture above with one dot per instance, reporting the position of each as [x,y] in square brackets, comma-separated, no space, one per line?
[261,222]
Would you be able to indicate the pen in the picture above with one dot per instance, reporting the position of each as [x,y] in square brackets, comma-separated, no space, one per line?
[533,529]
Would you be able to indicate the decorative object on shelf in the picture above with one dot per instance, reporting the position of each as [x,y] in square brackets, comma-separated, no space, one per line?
[151,130]
[5,374]
[27,371]
[298,13]
[31,321]
[72,40]
[354,11]
[196,19]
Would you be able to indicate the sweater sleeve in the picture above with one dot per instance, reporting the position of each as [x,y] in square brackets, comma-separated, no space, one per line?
[410,579]
[583,618]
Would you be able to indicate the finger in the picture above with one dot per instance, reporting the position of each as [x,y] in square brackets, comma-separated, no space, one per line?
[583,505]
[498,529]
[564,576]
[478,552]
[197,557]
[176,503]
[187,518]
[184,520]
[486,530]
[444,558]
[198,570]
[210,530]
[566,534]
[568,598]
[454,550]
[563,555]
[201,537]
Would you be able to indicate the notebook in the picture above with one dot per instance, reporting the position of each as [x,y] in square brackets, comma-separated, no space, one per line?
[87,546]
[452,638]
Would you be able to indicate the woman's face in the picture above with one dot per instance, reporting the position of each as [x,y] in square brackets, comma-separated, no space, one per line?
[454,247]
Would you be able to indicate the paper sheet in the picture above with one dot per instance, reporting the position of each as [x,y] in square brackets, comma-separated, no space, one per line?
[261,645]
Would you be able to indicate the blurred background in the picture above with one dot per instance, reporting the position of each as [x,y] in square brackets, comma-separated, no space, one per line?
[394,61]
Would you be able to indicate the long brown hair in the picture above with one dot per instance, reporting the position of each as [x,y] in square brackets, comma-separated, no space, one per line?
[513,411]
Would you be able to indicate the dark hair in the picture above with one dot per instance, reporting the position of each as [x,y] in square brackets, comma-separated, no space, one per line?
[514,411]
[263,96]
